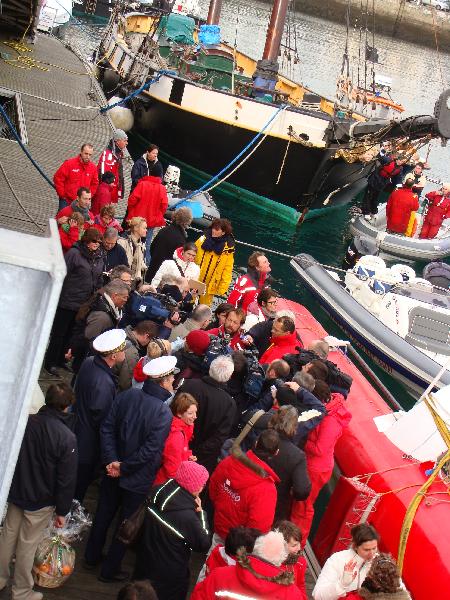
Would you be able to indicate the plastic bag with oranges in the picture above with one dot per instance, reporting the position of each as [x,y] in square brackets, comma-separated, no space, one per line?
[54,562]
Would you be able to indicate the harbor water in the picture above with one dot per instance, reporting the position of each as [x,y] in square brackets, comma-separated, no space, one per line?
[419,75]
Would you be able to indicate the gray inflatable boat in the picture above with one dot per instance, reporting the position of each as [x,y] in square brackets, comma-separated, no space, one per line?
[400,357]
[400,245]
[204,209]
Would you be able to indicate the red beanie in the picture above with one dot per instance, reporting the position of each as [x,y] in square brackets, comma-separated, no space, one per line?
[198,340]
[191,476]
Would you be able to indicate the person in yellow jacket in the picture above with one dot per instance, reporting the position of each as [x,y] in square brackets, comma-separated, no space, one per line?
[215,257]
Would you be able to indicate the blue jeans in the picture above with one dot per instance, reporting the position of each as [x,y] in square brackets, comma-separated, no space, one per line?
[148,241]
[62,203]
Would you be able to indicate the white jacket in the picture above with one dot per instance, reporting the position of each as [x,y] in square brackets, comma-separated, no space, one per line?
[329,585]
[169,267]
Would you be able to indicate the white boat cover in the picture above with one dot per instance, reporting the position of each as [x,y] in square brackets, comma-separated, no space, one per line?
[415,432]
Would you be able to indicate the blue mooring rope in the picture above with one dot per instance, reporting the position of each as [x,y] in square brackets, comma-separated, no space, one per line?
[22,145]
[138,91]
[235,159]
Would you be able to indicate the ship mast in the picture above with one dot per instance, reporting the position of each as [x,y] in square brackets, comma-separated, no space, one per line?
[266,73]
[215,7]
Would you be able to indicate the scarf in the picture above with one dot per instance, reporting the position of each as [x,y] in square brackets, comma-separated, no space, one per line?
[214,244]
[84,211]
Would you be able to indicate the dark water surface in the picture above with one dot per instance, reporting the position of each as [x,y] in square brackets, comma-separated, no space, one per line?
[417,83]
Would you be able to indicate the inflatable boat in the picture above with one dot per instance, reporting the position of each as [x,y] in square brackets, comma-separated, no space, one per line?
[375,481]
[410,248]
[403,327]
[203,207]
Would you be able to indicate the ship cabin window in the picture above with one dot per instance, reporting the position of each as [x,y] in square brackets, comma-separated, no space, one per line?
[12,105]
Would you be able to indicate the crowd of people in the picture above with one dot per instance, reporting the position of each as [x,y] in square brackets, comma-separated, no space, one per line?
[405,176]
[221,425]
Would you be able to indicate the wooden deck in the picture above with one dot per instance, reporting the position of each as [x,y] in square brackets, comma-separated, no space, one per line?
[60,106]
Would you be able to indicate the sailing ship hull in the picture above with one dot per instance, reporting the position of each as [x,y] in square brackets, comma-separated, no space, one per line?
[206,129]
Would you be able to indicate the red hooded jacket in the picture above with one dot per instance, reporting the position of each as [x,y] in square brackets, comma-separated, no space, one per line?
[176,450]
[438,208]
[279,346]
[243,493]
[111,160]
[149,201]
[68,238]
[319,447]
[102,197]
[246,288]
[299,570]
[239,582]
[399,206]
[72,175]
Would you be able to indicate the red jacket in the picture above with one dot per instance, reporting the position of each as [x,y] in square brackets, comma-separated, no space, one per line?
[299,570]
[68,238]
[176,450]
[239,582]
[236,341]
[399,206]
[246,288]
[102,197]
[438,208]
[279,346]
[242,495]
[111,160]
[72,175]
[68,210]
[148,200]
[319,447]
[218,558]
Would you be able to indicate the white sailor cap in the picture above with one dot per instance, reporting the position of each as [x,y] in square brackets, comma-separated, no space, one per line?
[161,367]
[110,341]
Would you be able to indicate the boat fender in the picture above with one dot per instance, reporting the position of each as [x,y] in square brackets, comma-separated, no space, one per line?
[351,503]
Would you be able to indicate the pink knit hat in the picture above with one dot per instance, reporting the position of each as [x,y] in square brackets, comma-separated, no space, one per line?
[191,476]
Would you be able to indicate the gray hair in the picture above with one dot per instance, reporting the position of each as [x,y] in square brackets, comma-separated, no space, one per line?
[117,272]
[201,313]
[304,380]
[118,287]
[271,548]
[285,313]
[169,279]
[320,347]
[221,368]
[182,216]
[110,233]
[284,420]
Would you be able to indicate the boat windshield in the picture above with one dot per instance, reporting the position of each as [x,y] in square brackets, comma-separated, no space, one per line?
[433,296]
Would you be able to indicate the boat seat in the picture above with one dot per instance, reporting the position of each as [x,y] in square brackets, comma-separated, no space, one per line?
[405,271]
[429,329]
[371,263]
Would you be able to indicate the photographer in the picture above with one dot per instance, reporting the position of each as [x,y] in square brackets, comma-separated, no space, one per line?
[232,329]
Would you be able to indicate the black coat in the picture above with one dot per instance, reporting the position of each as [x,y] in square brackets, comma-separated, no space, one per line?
[163,246]
[134,433]
[95,390]
[84,276]
[172,529]
[261,334]
[290,466]
[143,168]
[215,418]
[115,257]
[46,470]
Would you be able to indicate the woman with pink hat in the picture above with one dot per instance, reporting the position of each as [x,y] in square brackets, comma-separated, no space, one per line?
[175,525]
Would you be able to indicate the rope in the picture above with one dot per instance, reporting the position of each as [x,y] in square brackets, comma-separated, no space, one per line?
[146,85]
[283,163]
[22,145]
[236,158]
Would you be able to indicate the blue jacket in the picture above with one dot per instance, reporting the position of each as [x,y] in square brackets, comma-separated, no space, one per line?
[95,390]
[143,168]
[134,433]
